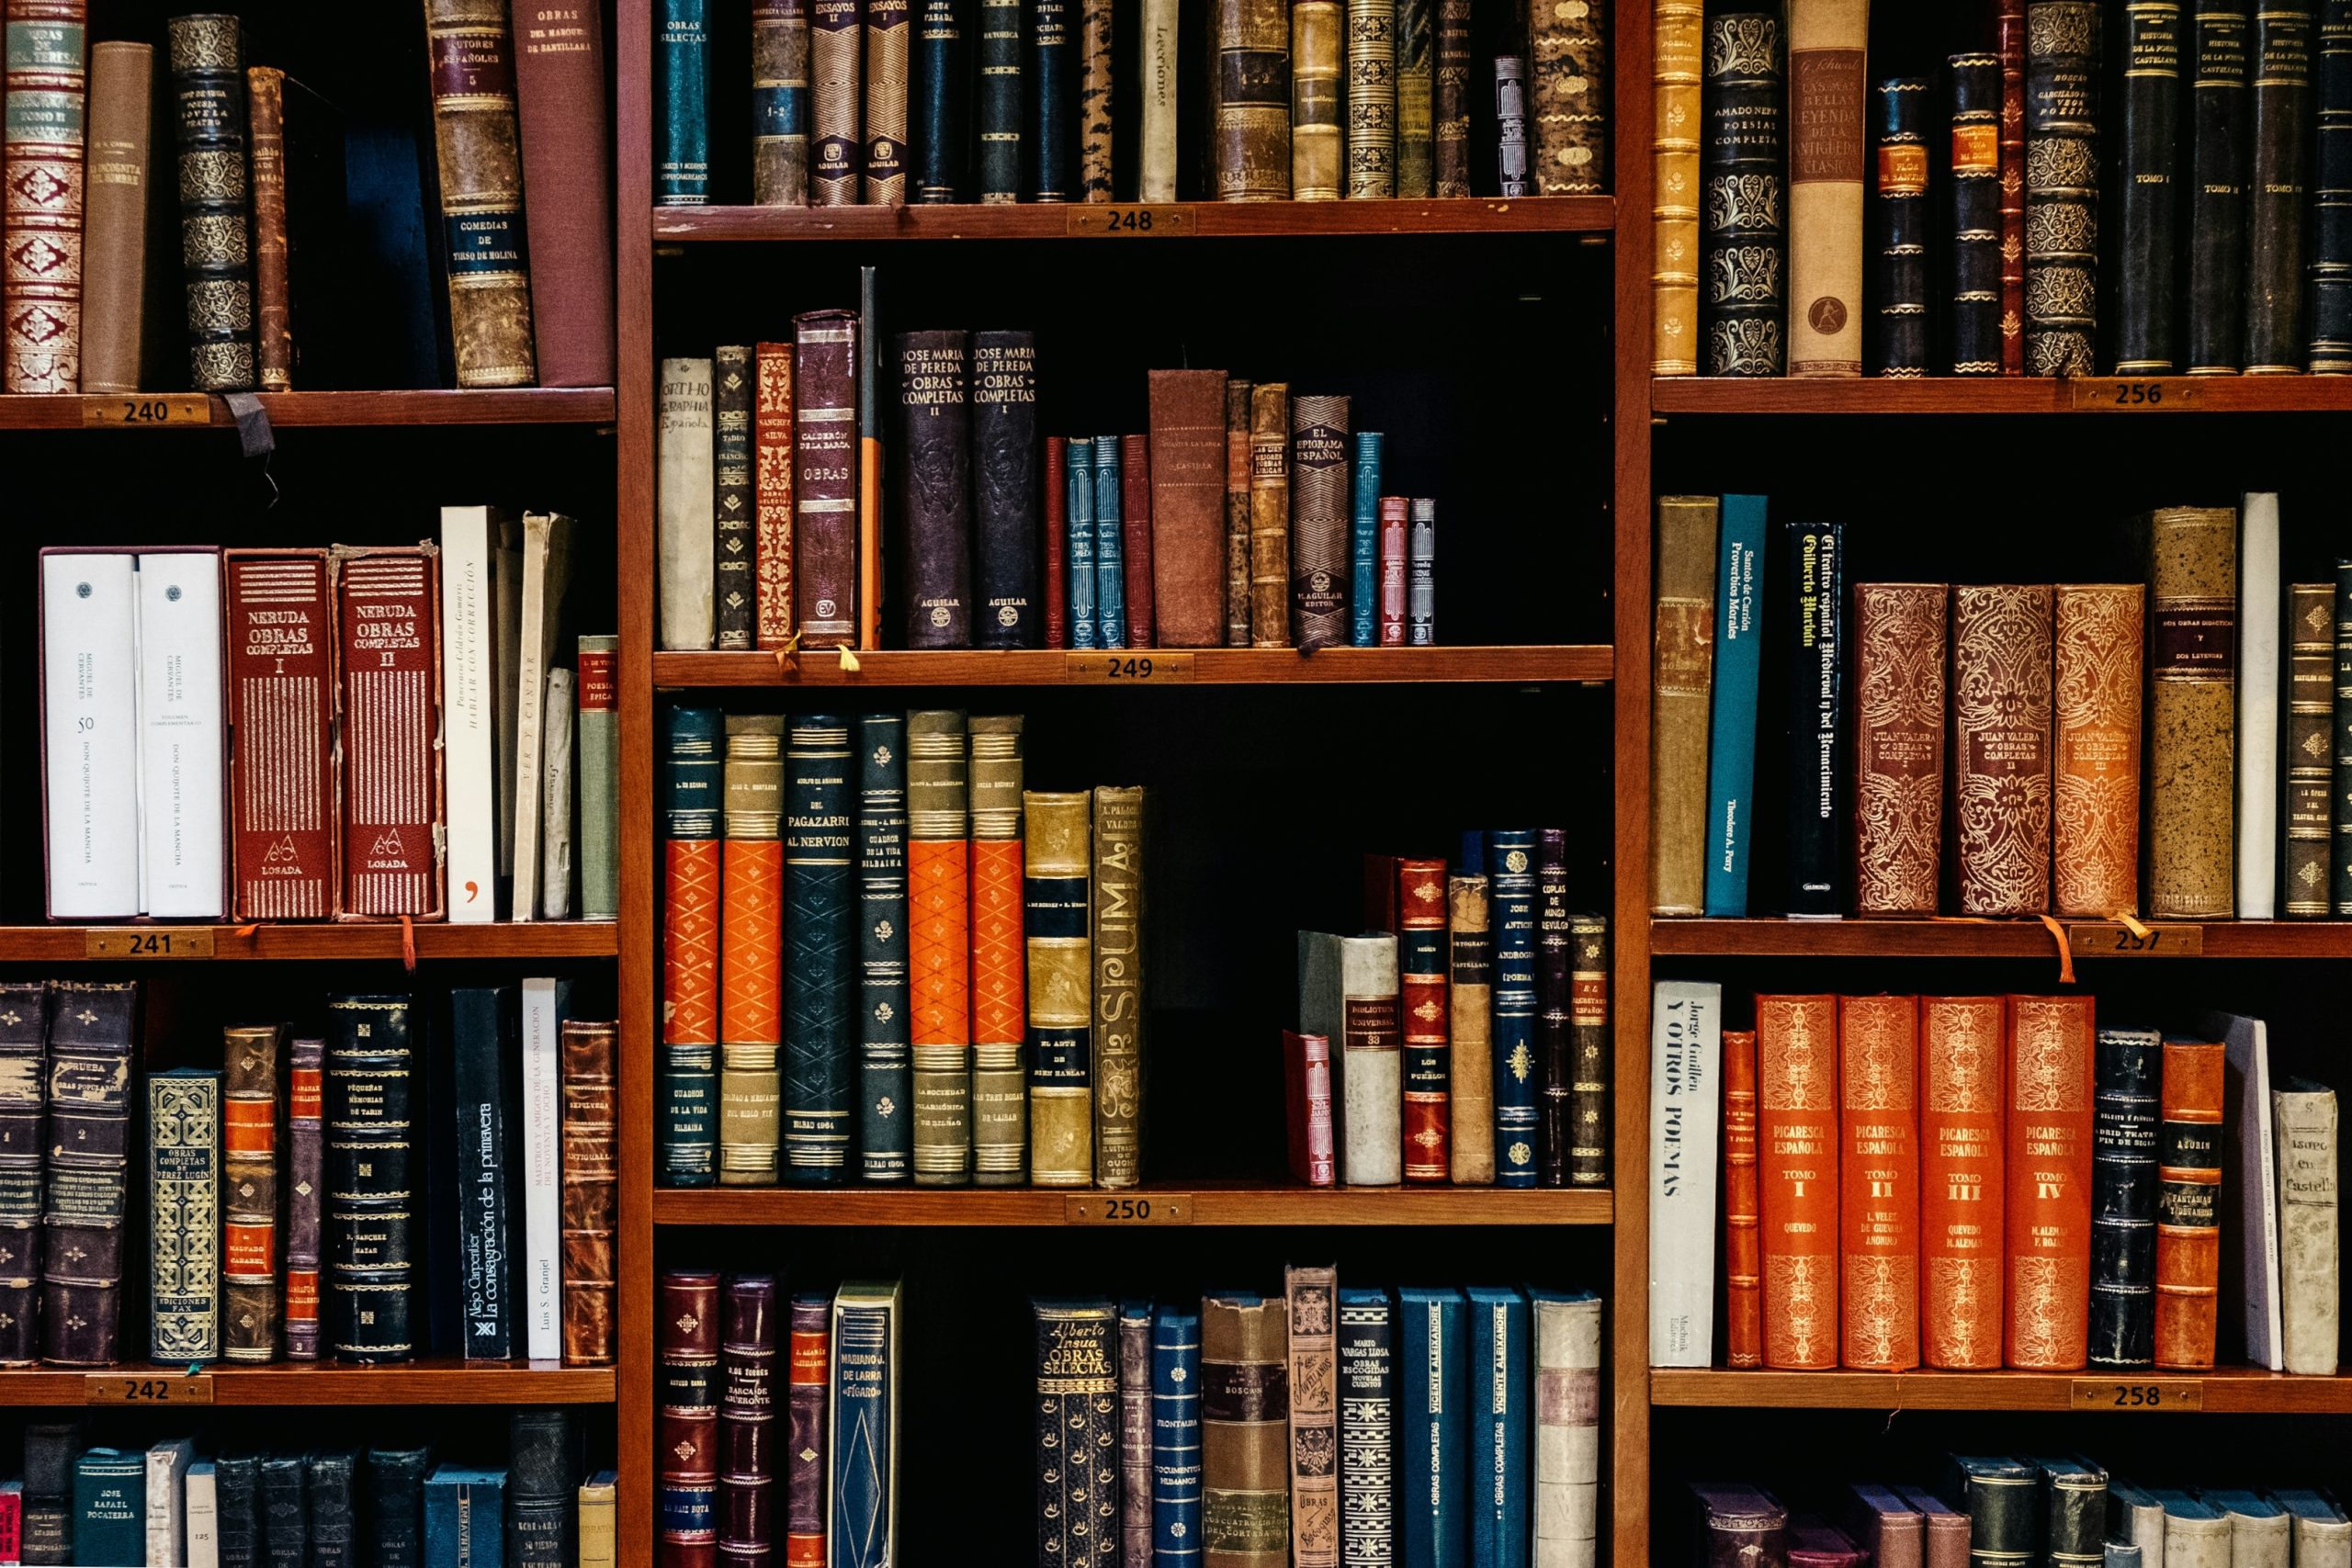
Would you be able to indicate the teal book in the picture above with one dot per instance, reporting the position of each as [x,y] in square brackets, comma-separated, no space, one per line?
[863,1512]
[1501,1460]
[1110,545]
[1085,620]
[1731,746]
[465,1517]
[110,1507]
[1431,1434]
[682,122]
[1511,872]
[885,1051]
[183,1227]
[1364,543]
[819,888]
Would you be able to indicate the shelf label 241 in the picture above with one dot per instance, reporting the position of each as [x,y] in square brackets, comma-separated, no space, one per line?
[149,941]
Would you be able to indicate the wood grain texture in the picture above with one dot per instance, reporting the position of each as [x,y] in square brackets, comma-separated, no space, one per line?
[1989,395]
[2230,1390]
[1457,215]
[1219,666]
[333,941]
[433,1380]
[1214,1205]
[1768,938]
[289,411]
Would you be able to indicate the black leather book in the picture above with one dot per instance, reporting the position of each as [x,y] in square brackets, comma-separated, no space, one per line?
[2123,1198]
[2147,193]
[1005,489]
[941,62]
[236,1489]
[933,449]
[24,1038]
[1002,49]
[2001,1498]
[334,1533]
[50,1449]
[735,587]
[91,1057]
[2061,187]
[1053,98]
[1588,1033]
[2074,1504]
[285,1512]
[2339,851]
[372,1178]
[395,1506]
[1975,215]
[1553,1040]
[487,1061]
[2274,186]
[544,1466]
[207,56]
[1811,617]
[2332,196]
[1901,232]
[2217,154]
[1744,246]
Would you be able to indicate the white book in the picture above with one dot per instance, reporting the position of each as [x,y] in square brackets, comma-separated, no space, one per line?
[507,643]
[546,575]
[2196,1534]
[90,721]
[2322,1536]
[203,1502]
[167,1465]
[183,752]
[2250,1276]
[1323,1009]
[2257,703]
[470,708]
[687,491]
[544,1003]
[2302,1116]
[555,799]
[1686,1115]
[2137,1516]
[2260,1531]
[1160,70]
[1568,1449]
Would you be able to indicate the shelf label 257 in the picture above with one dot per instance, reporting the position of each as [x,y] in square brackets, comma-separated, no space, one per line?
[2150,1394]
[2113,939]
[1129,1209]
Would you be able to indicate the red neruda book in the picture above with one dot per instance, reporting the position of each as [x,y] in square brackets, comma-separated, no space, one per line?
[283,829]
[1879,1180]
[1796,1075]
[2049,1226]
[1743,1255]
[1962,1195]
[387,613]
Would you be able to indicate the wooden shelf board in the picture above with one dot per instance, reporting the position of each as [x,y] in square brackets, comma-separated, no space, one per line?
[2228,1391]
[1205,220]
[1208,666]
[330,940]
[439,1381]
[1776,937]
[1213,1205]
[522,405]
[1997,395]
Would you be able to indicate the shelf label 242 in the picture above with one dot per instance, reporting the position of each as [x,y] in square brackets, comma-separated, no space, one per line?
[147,1388]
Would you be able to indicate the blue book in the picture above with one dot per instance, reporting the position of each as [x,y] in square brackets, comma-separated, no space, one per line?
[1110,545]
[694,777]
[465,1517]
[1731,747]
[487,1054]
[1175,1435]
[886,1063]
[1366,1351]
[1510,882]
[1500,1383]
[819,888]
[1364,543]
[1077,1428]
[1085,624]
[1431,1431]
[862,1527]
[110,1507]
[682,111]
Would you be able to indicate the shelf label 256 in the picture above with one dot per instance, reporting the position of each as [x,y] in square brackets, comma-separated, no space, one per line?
[2155,1395]
[1127,1209]
[2109,395]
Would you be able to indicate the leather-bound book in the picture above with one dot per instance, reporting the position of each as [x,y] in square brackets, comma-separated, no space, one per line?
[374,1170]
[2331,234]
[1319,522]
[685,485]
[1796,1053]
[1270,515]
[807,1462]
[1745,218]
[216,205]
[886,1084]
[1240,533]
[819,891]
[590,1198]
[395,1506]
[746,1417]
[48,1513]
[1570,46]
[1510,126]
[1077,1410]
[682,120]
[1050,100]
[1307,1121]
[1975,233]
[942,65]
[2191,836]
[2096,748]
[285,1509]
[2339,858]
[1899,679]
[1395,528]
[2000,1498]
[1311,1299]
[305,1178]
[2123,1200]
[1676,47]
[1245,1432]
[41,237]
[2009,41]
[1116,946]
[1135,535]
[2047,1223]
[1363,542]
[1252,99]
[2073,1511]
[939,945]
[1317,134]
[1470,977]
[1000,51]
[934,449]
[92,1047]
[1110,544]
[2189,1220]
[885,23]
[2276,181]
[1372,97]
[183,1215]
[1450,100]
[2062,112]
[2303,1118]
[2147,197]
[1135,1434]
[387,616]
[479,154]
[1742,1233]
[1188,493]
[1886,1527]
[1416,97]
[2260,1535]
[1421,986]
[1555,1043]
[734,588]
[121,179]
[1510,855]
[1057,932]
[1094,74]
[772,490]
[24,1035]
[836,155]
[273,303]
[2310,746]
[2001,718]
[1944,1530]
[1682,682]
[1006,607]
[1900,235]
[824,437]
[1813,1543]
[779,103]
[1058,481]
[1879,1182]
[1588,1055]
[686,1417]
[249,1193]
[545,1464]
[1827,46]
[999,1003]
[694,782]
[1739,1525]
[2218,159]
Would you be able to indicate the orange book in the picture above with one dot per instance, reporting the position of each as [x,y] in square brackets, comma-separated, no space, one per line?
[2189,1220]
[1796,1075]
[1878,1154]
[690,941]
[1961,1193]
[751,989]
[1743,1257]
[939,950]
[2049,1221]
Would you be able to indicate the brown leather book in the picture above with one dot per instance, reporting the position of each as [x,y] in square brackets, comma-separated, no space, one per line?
[273,301]
[567,187]
[1569,97]
[481,160]
[2096,750]
[1470,975]
[2310,698]
[1239,399]
[2191,839]
[1313,1312]
[1252,99]
[1135,524]
[40,227]
[1245,1431]
[1898,746]
[591,1200]
[1682,679]
[2188,1194]
[1270,515]
[824,436]
[1449,98]
[114,235]
[2000,748]
[1743,1240]
[1317,143]
[1189,471]
[249,1193]
[1796,1053]
[1318,526]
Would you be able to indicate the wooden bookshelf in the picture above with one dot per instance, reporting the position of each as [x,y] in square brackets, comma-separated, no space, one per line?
[1159,666]
[1594,215]
[350,411]
[2237,1391]
[430,1381]
[2148,397]
[1199,1204]
[370,939]
[1992,939]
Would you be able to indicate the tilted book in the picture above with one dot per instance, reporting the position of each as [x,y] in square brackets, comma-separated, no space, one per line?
[373,1173]
[2309,1252]
[2001,716]
[1827,45]
[939,947]
[1498,1420]
[1686,1021]
[1311,1299]
[1899,669]
[819,892]
[747,1394]
[1510,857]
[686,1130]
[249,1193]
[282,645]
[750,940]
[546,582]
[2128,1067]
[1366,1354]
[2192,649]
[305,1184]
[1731,745]
[2250,1270]
[1567,1419]
[92,1047]
[1116,948]
[1743,1236]
[91,741]
[2048,1221]
[1245,1431]
[2094,829]
[1078,1464]
[479,152]
[685,1414]
[183,749]
[1432,1426]
[1962,1195]
[886,1093]
[2188,1216]
[1056,932]
[1681,675]
[589,1205]
[24,1037]
[1797,1144]
[387,617]
[184,1213]
[999,1004]
[862,1515]
[1421,987]
[1878,1187]
[1470,975]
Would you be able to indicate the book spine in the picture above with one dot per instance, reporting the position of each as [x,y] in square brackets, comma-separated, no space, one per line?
[1311,1300]
[1495,1493]
[305,1174]
[1797,1144]
[688,487]
[1433,1391]
[1057,628]
[1115,938]
[1110,544]
[817,883]
[599,724]
[2001,728]
[1094,74]
[1005,481]
[1396,511]
[1307,1108]
[1175,1495]
[1567,1416]
[388,613]
[825,436]
[216,206]
[91,739]
[2096,748]
[1450,100]
[24,1023]
[746,1416]
[1812,580]
[184,1197]
[41,237]
[1961,1201]
[1245,1442]
[2189,1193]
[1902,225]
[1135,1436]
[734,587]
[1085,620]
[1364,543]
[273,335]
[1058,866]
[939,133]
[1185,502]
[1677,50]
[1510,127]
[682,62]
[1590,1057]
[1366,1358]
[2062,186]
[2192,600]
[2310,748]
[1318,544]
[332,1519]
[861,1514]
[869,463]
[1681,675]
[1422,963]
[806,1459]
[2218,158]
[1136,531]
[2276,187]
[1570,50]
[1372,99]
[482,1036]
[1252,100]
[249,1195]
[2147,195]
[1877,1187]
[1743,1236]
[686,1397]
[1420,575]
[1513,881]
[779,103]
[1270,515]
[478,150]
[932,450]
[470,669]
[114,241]
[939,946]
[692,877]
[1731,742]
[2339,853]
[590,1204]
[2048,1225]
[2304,1116]
[884,1084]
[183,749]
[1369,1070]
[2259,673]
[1416,97]
[1975,214]
[2124,1202]
[1555,1040]
[886,24]
[1826,53]
[2009,44]
[1898,746]
[372,1178]
[1158,58]
[1241,514]
[1317,135]
[2330,305]
[1050,103]
[999,1003]
[836,157]
[1078,1434]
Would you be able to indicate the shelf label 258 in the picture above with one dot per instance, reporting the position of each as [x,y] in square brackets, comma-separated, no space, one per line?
[2156,1395]
[150,1387]
[1127,1209]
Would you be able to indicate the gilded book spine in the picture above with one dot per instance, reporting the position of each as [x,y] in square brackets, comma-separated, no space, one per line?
[1975,214]
[1078,1432]
[250,1193]
[2192,651]
[1470,975]
[1416,97]
[751,986]
[374,1176]
[999,1006]
[2188,1193]
[1555,1041]
[2001,714]
[40,214]
[772,489]
[818,895]
[1421,984]
[84,1197]
[1050,104]
[1319,542]
[1898,746]
[836,156]
[692,876]
[590,1202]
[1450,100]
[1571,97]
[1878,1186]
[216,209]
[184,1214]
[1056,887]
[479,154]
[1372,97]
[1681,680]
[1318,140]
[2047,1105]
[1510,855]
[24,1029]
[1239,512]
[392,830]
[1094,166]
[1312,1299]
[885,25]
[1796,1051]
[1245,1435]
[1828,57]
[2096,761]
[780,103]
[305,1174]
[2062,186]
[1270,515]
[1901,236]
[1006,609]
[273,335]
[734,586]
[1252,100]
[1746,221]
[824,438]
[1675,40]
[1116,943]
[2339,854]
[939,951]
[2008,31]
[885,1143]
[2311,688]
[2123,1212]
[1743,1251]
[1589,1052]
[746,1417]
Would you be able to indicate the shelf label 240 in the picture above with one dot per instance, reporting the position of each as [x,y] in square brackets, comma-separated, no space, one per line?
[145,411]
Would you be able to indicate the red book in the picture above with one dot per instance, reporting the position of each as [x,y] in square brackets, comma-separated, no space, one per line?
[2009,34]
[12,1525]
[1743,1256]
[2049,1221]
[566,182]
[2189,1191]
[1796,1064]
[1056,541]
[1421,984]
[388,612]
[1878,1200]
[686,1418]
[1394,515]
[1135,508]
[283,830]
[1962,1195]
[1380,892]
[771,493]
[1306,1097]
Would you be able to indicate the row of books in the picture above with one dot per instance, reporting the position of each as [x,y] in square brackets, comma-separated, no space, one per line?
[1974,1182]
[1989,1508]
[301,734]
[2086,749]
[167,1508]
[1463,1038]
[261,206]
[1366,100]
[368,1214]
[1244,517]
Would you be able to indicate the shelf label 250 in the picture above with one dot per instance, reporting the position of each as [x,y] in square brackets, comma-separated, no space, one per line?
[2157,1394]
[150,1387]
[1129,1209]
